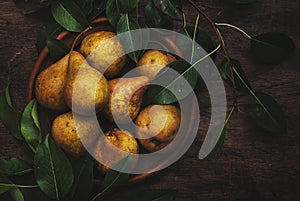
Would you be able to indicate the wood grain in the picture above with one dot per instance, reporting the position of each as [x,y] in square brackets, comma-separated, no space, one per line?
[255,165]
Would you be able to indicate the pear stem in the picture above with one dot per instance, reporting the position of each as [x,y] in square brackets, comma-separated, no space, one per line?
[75,42]
[236,28]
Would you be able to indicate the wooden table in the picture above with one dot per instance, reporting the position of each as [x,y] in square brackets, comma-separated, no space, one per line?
[255,165]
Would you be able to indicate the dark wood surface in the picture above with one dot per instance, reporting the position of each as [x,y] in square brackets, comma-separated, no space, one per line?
[254,165]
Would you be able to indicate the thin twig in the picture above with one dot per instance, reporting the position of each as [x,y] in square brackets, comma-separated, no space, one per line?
[221,41]
[234,27]
[212,23]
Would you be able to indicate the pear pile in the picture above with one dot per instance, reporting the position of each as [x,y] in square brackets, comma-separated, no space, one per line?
[87,81]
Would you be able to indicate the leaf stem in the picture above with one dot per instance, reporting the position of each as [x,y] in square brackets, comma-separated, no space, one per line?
[234,27]
[97,196]
[106,188]
[221,40]
[17,185]
[212,23]
[229,115]
[231,71]
[233,83]
[201,59]
[253,94]
[112,183]
[52,168]
[194,38]
[184,20]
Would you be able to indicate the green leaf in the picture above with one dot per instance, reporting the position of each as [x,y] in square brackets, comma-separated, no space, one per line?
[13,166]
[155,18]
[30,126]
[128,5]
[91,8]
[12,189]
[266,112]
[168,7]
[4,189]
[27,154]
[98,7]
[152,195]
[53,170]
[239,81]
[220,144]
[57,48]
[42,14]
[124,25]
[114,179]
[243,1]
[83,182]
[16,194]
[31,6]
[34,114]
[113,12]
[272,47]
[177,84]
[201,37]
[68,15]
[84,5]
[8,115]
[51,30]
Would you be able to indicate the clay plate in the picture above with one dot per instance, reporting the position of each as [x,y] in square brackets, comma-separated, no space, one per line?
[46,116]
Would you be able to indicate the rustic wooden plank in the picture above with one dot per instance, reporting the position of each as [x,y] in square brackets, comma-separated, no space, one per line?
[254,165]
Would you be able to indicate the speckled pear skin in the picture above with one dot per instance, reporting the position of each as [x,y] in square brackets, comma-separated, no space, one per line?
[104,50]
[86,90]
[121,139]
[70,132]
[50,84]
[122,91]
[158,123]
[152,62]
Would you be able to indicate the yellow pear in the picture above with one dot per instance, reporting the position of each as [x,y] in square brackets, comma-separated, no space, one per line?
[159,124]
[70,133]
[121,139]
[86,90]
[50,84]
[152,62]
[125,99]
[104,52]
[171,58]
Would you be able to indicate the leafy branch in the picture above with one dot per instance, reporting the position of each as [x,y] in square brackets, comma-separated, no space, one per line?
[269,48]
[18,185]
[60,177]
